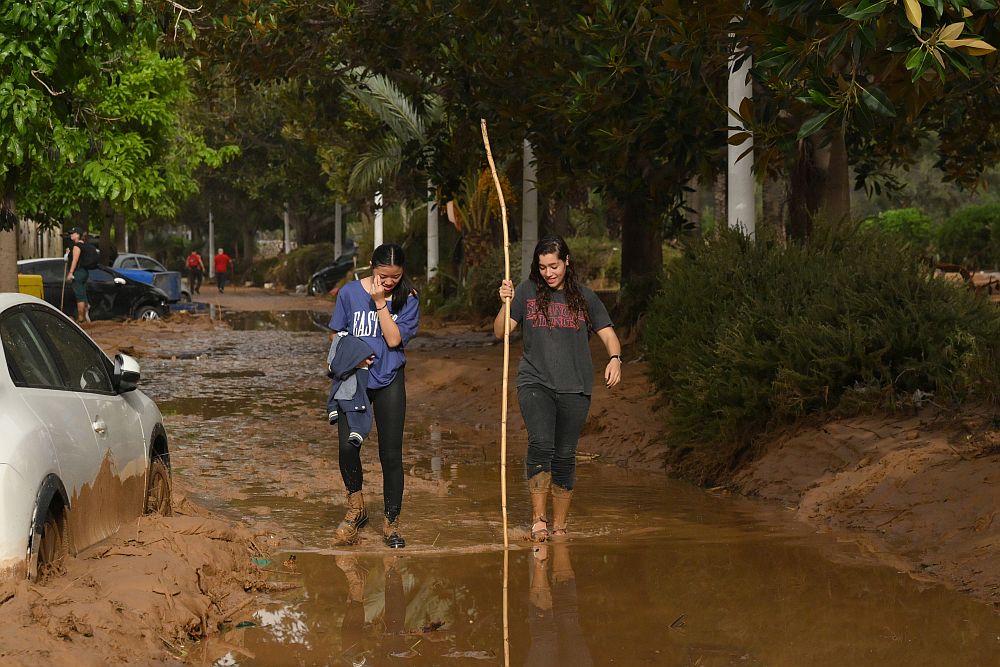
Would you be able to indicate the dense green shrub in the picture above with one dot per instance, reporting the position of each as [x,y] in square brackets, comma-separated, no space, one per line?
[909,224]
[296,267]
[744,336]
[971,236]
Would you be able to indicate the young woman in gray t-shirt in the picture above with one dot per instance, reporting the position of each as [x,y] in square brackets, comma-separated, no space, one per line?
[555,376]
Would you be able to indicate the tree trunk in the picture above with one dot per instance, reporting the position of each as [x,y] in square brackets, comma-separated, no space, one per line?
[107,222]
[558,218]
[8,240]
[820,184]
[774,197]
[642,257]
[719,208]
[692,204]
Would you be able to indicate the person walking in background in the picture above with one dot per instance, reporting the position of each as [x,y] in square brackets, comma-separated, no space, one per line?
[383,311]
[196,270]
[83,257]
[555,377]
[222,263]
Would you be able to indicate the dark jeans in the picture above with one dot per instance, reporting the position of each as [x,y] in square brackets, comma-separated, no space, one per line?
[220,280]
[554,422]
[194,280]
[389,406]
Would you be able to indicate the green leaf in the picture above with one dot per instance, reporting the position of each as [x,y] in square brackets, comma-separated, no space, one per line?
[814,124]
[864,10]
[876,100]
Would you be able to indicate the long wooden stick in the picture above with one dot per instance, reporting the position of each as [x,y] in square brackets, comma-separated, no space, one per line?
[506,333]
[503,399]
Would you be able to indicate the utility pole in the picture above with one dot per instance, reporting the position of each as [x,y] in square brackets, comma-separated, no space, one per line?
[378,219]
[288,232]
[432,231]
[741,211]
[211,244]
[338,232]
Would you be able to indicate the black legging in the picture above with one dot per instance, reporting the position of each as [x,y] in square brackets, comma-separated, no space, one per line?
[389,405]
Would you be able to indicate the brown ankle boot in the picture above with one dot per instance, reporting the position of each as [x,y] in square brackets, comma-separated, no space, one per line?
[391,534]
[354,520]
[561,498]
[538,487]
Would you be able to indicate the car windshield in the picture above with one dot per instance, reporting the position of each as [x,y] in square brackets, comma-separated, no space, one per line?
[150,264]
[51,270]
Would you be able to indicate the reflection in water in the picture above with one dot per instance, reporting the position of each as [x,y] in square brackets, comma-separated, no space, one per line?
[553,611]
[365,643]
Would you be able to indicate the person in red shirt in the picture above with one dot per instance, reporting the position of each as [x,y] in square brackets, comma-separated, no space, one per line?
[222,263]
[196,269]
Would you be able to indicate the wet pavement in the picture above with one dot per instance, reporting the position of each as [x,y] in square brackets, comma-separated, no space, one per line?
[657,572]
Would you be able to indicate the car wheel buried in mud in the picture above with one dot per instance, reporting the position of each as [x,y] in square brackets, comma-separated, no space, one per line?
[148,313]
[158,489]
[49,543]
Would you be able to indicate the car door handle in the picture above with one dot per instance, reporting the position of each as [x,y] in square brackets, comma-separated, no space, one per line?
[100,427]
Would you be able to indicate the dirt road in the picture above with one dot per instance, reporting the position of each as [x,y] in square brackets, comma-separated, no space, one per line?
[658,572]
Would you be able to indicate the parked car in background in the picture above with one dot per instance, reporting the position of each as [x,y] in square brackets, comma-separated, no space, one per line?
[327,278]
[145,269]
[83,451]
[112,295]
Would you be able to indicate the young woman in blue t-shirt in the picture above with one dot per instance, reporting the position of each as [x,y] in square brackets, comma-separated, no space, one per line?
[555,376]
[383,310]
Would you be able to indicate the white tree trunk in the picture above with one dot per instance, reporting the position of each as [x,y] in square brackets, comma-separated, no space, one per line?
[529,209]
[378,219]
[338,232]
[288,231]
[742,210]
[211,245]
[432,232]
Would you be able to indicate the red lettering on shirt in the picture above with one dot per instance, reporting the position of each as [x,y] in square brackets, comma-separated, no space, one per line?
[557,316]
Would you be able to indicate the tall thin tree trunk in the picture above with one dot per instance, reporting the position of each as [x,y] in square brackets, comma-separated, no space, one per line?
[642,256]
[819,184]
[107,223]
[774,196]
[8,239]
[719,201]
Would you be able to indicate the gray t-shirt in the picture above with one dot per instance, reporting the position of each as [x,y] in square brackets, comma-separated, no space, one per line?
[556,348]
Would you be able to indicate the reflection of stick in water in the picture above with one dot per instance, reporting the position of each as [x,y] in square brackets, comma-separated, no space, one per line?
[503,394]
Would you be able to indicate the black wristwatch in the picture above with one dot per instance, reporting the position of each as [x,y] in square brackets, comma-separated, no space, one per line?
[616,356]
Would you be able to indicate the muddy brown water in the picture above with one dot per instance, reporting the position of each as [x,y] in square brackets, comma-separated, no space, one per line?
[657,572]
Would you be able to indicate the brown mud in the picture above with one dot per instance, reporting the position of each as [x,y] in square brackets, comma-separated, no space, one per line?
[657,571]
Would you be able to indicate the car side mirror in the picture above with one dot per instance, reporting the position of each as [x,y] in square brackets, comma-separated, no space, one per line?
[126,374]
[120,281]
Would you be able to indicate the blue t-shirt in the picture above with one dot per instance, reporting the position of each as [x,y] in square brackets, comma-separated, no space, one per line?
[355,313]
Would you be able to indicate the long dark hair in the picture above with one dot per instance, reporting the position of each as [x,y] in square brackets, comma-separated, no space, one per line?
[574,296]
[391,254]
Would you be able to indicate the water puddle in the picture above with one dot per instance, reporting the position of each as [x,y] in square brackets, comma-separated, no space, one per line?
[657,572]
[293,320]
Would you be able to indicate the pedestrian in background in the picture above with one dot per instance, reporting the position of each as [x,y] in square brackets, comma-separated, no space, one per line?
[196,270]
[82,258]
[222,264]
[556,375]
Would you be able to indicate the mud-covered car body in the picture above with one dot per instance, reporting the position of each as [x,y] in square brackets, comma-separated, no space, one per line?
[112,295]
[145,269]
[79,441]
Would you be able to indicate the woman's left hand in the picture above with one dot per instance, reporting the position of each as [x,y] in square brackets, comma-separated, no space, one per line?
[613,372]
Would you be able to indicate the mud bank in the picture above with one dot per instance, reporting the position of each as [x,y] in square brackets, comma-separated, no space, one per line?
[921,492]
[154,592]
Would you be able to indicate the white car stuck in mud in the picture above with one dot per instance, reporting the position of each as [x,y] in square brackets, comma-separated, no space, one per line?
[82,452]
